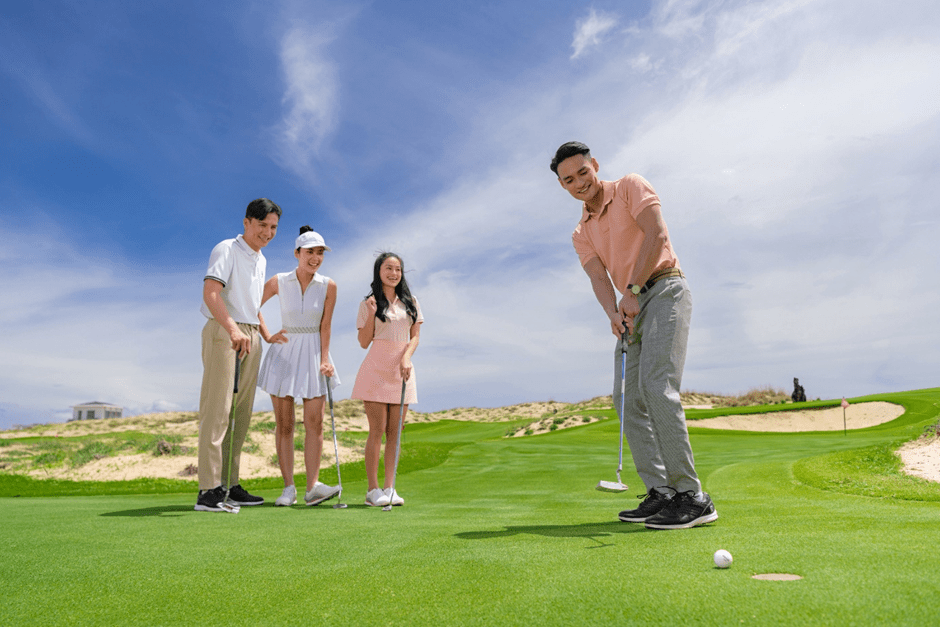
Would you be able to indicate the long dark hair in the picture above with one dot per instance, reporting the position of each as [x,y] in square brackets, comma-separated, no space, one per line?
[401,290]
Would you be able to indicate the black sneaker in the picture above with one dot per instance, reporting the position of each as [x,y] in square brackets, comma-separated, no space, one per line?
[684,512]
[238,496]
[209,500]
[654,502]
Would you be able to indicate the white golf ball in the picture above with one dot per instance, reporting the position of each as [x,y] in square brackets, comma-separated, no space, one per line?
[723,559]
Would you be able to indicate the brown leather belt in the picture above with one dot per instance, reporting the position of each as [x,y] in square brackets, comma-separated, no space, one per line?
[658,276]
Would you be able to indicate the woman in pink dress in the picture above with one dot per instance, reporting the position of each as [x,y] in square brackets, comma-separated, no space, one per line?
[390,320]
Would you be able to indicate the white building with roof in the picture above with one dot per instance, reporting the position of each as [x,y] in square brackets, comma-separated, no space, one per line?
[96,410]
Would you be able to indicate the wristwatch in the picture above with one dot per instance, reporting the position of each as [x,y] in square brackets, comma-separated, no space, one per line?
[635,289]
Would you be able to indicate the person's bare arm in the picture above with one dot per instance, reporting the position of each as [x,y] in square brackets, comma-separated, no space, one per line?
[410,350]
[326,322]
[212,295]
[367,332]
[605,294]
[270,290]
[655,237]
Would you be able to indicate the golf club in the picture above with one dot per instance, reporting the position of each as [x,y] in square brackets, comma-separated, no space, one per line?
[231,508]
[619,486]
[339,497]
[401,421]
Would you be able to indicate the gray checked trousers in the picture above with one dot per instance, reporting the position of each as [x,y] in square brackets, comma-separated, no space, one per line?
[654,421]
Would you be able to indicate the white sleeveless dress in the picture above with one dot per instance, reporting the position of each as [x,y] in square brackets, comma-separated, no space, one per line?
[293,369]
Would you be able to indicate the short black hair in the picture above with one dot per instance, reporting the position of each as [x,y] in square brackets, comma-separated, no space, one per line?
[568,149]
[259,208]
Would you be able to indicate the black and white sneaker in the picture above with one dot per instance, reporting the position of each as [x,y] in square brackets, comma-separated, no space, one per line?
[652,504]
[209,500]
[684,511]
[239,496]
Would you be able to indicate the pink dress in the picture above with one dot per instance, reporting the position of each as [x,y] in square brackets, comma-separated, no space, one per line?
[379,377]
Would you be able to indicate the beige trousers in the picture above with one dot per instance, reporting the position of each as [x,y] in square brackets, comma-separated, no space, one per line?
[215,403]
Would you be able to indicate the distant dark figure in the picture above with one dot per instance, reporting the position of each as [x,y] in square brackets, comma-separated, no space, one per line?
[799,394]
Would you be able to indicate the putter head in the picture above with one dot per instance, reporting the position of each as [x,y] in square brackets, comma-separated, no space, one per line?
[230,507]
[611,486]
[339,500]
[387,508]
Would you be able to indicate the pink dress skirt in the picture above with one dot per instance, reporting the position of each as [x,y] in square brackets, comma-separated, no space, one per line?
[379,377]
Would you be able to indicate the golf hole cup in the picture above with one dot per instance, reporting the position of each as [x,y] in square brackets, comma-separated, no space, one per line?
[722,558]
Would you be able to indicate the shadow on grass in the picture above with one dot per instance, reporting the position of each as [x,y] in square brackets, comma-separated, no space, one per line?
[178,510]
[590,531]
[166,510]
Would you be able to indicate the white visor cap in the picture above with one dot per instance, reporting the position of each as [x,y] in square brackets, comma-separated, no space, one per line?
[310,239]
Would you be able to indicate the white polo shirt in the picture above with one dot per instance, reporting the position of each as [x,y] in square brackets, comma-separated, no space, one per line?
[240,270]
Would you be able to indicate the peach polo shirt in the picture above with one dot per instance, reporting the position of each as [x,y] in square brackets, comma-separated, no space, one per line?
[613,235]
[396,327]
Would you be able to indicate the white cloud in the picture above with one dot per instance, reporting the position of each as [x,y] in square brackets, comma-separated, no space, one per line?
[89,328]
[311,95]
[590,31]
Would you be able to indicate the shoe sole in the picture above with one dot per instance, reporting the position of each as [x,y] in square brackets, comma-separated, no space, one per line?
[276,504]
[701,520]
[371,504]
[320,500]
[206,508]
[634,519]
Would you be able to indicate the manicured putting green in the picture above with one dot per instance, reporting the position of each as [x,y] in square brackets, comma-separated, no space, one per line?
[498,531]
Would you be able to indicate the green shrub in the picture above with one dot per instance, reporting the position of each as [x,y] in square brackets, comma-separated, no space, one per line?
[95,449]
[51,458]
[267,426]
[250,446]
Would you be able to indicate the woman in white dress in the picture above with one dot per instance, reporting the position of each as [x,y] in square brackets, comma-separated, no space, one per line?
[298,362]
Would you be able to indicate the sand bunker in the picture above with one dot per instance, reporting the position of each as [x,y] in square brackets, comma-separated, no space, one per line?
[921,458]
[857,416]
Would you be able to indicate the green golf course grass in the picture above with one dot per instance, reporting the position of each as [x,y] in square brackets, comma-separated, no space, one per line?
[500,531]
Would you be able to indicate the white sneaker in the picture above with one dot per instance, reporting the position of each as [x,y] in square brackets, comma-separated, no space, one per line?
[376,498]
[288,497]
[393,497]
[320,492]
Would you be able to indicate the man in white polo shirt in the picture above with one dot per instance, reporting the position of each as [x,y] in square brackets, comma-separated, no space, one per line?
[231,298]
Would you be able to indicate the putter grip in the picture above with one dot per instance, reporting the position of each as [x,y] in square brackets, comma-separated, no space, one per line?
[238,363]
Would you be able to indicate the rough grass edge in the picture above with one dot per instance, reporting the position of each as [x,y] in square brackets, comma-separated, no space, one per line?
[872,471]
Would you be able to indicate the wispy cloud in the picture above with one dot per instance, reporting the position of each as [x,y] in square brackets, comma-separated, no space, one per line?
[311,95]
[92,328]
[590,31]
[20,60]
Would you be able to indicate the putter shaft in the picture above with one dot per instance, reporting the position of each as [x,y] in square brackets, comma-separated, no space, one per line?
[339,480]
[401,422]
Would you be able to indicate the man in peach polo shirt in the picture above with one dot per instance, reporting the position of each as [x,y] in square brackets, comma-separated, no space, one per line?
[622,241]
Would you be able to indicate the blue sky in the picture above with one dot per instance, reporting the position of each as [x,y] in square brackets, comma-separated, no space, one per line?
[794,146]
